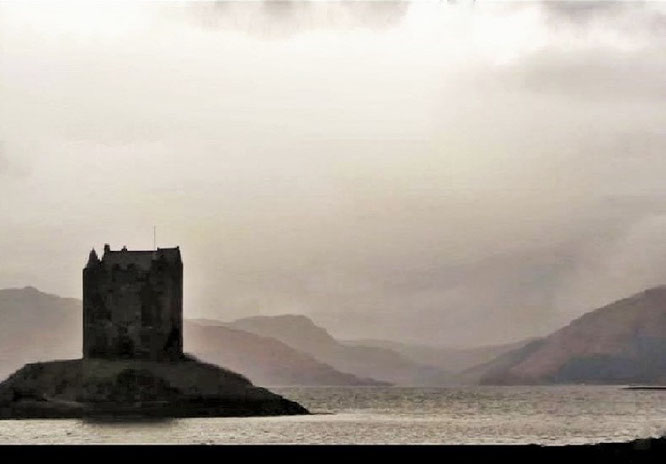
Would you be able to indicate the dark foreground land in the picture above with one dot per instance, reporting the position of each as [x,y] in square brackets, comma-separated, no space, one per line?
[129,388]
[645,387]
[649,450]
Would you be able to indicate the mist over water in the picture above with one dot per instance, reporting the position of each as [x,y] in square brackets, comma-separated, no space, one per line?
[452,174]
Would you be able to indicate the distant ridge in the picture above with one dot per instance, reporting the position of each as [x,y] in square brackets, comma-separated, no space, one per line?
[621,343]
[301,333]
[447,358]
[263,360]
[37,326]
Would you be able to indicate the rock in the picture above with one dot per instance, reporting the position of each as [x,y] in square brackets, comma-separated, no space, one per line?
[95,387]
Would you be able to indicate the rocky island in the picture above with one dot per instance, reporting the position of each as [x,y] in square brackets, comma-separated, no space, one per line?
[133,363]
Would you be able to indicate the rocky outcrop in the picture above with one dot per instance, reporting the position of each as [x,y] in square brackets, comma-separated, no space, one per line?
[93,387]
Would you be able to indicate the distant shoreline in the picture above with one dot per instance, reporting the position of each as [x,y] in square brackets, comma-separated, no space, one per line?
[646,387]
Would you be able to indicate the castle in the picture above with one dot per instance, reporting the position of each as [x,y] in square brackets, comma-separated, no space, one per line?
[133,305]
[133,361]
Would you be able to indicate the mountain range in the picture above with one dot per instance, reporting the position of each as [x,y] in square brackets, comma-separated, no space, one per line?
[264,360]
[380,363]
[447,358]
[36,326]
[621,343]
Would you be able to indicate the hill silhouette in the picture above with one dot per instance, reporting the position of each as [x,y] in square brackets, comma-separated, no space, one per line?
[36,326]
[449,359]
[621,343]
[384,364]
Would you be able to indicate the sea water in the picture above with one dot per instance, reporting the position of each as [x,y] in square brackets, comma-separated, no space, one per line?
[385,415]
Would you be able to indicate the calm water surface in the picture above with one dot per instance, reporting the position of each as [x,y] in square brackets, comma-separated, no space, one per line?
[546,415]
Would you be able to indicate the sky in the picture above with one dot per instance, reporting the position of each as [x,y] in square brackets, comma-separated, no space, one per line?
[446,173]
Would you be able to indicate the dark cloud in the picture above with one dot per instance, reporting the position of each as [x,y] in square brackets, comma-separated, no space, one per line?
[582,12]
[615,51]
[625,15]
[284,18]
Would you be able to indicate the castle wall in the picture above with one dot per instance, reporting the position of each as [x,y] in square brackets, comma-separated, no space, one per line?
[132,308]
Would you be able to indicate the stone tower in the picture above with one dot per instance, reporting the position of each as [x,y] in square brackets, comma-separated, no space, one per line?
[133,305]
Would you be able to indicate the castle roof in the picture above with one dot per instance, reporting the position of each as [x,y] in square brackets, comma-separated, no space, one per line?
[142,259]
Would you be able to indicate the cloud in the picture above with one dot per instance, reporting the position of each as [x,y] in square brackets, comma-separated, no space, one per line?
[419,171]
[582,12]
[284,18]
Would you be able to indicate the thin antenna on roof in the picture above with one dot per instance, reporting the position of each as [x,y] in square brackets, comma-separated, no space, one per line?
[154,238]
